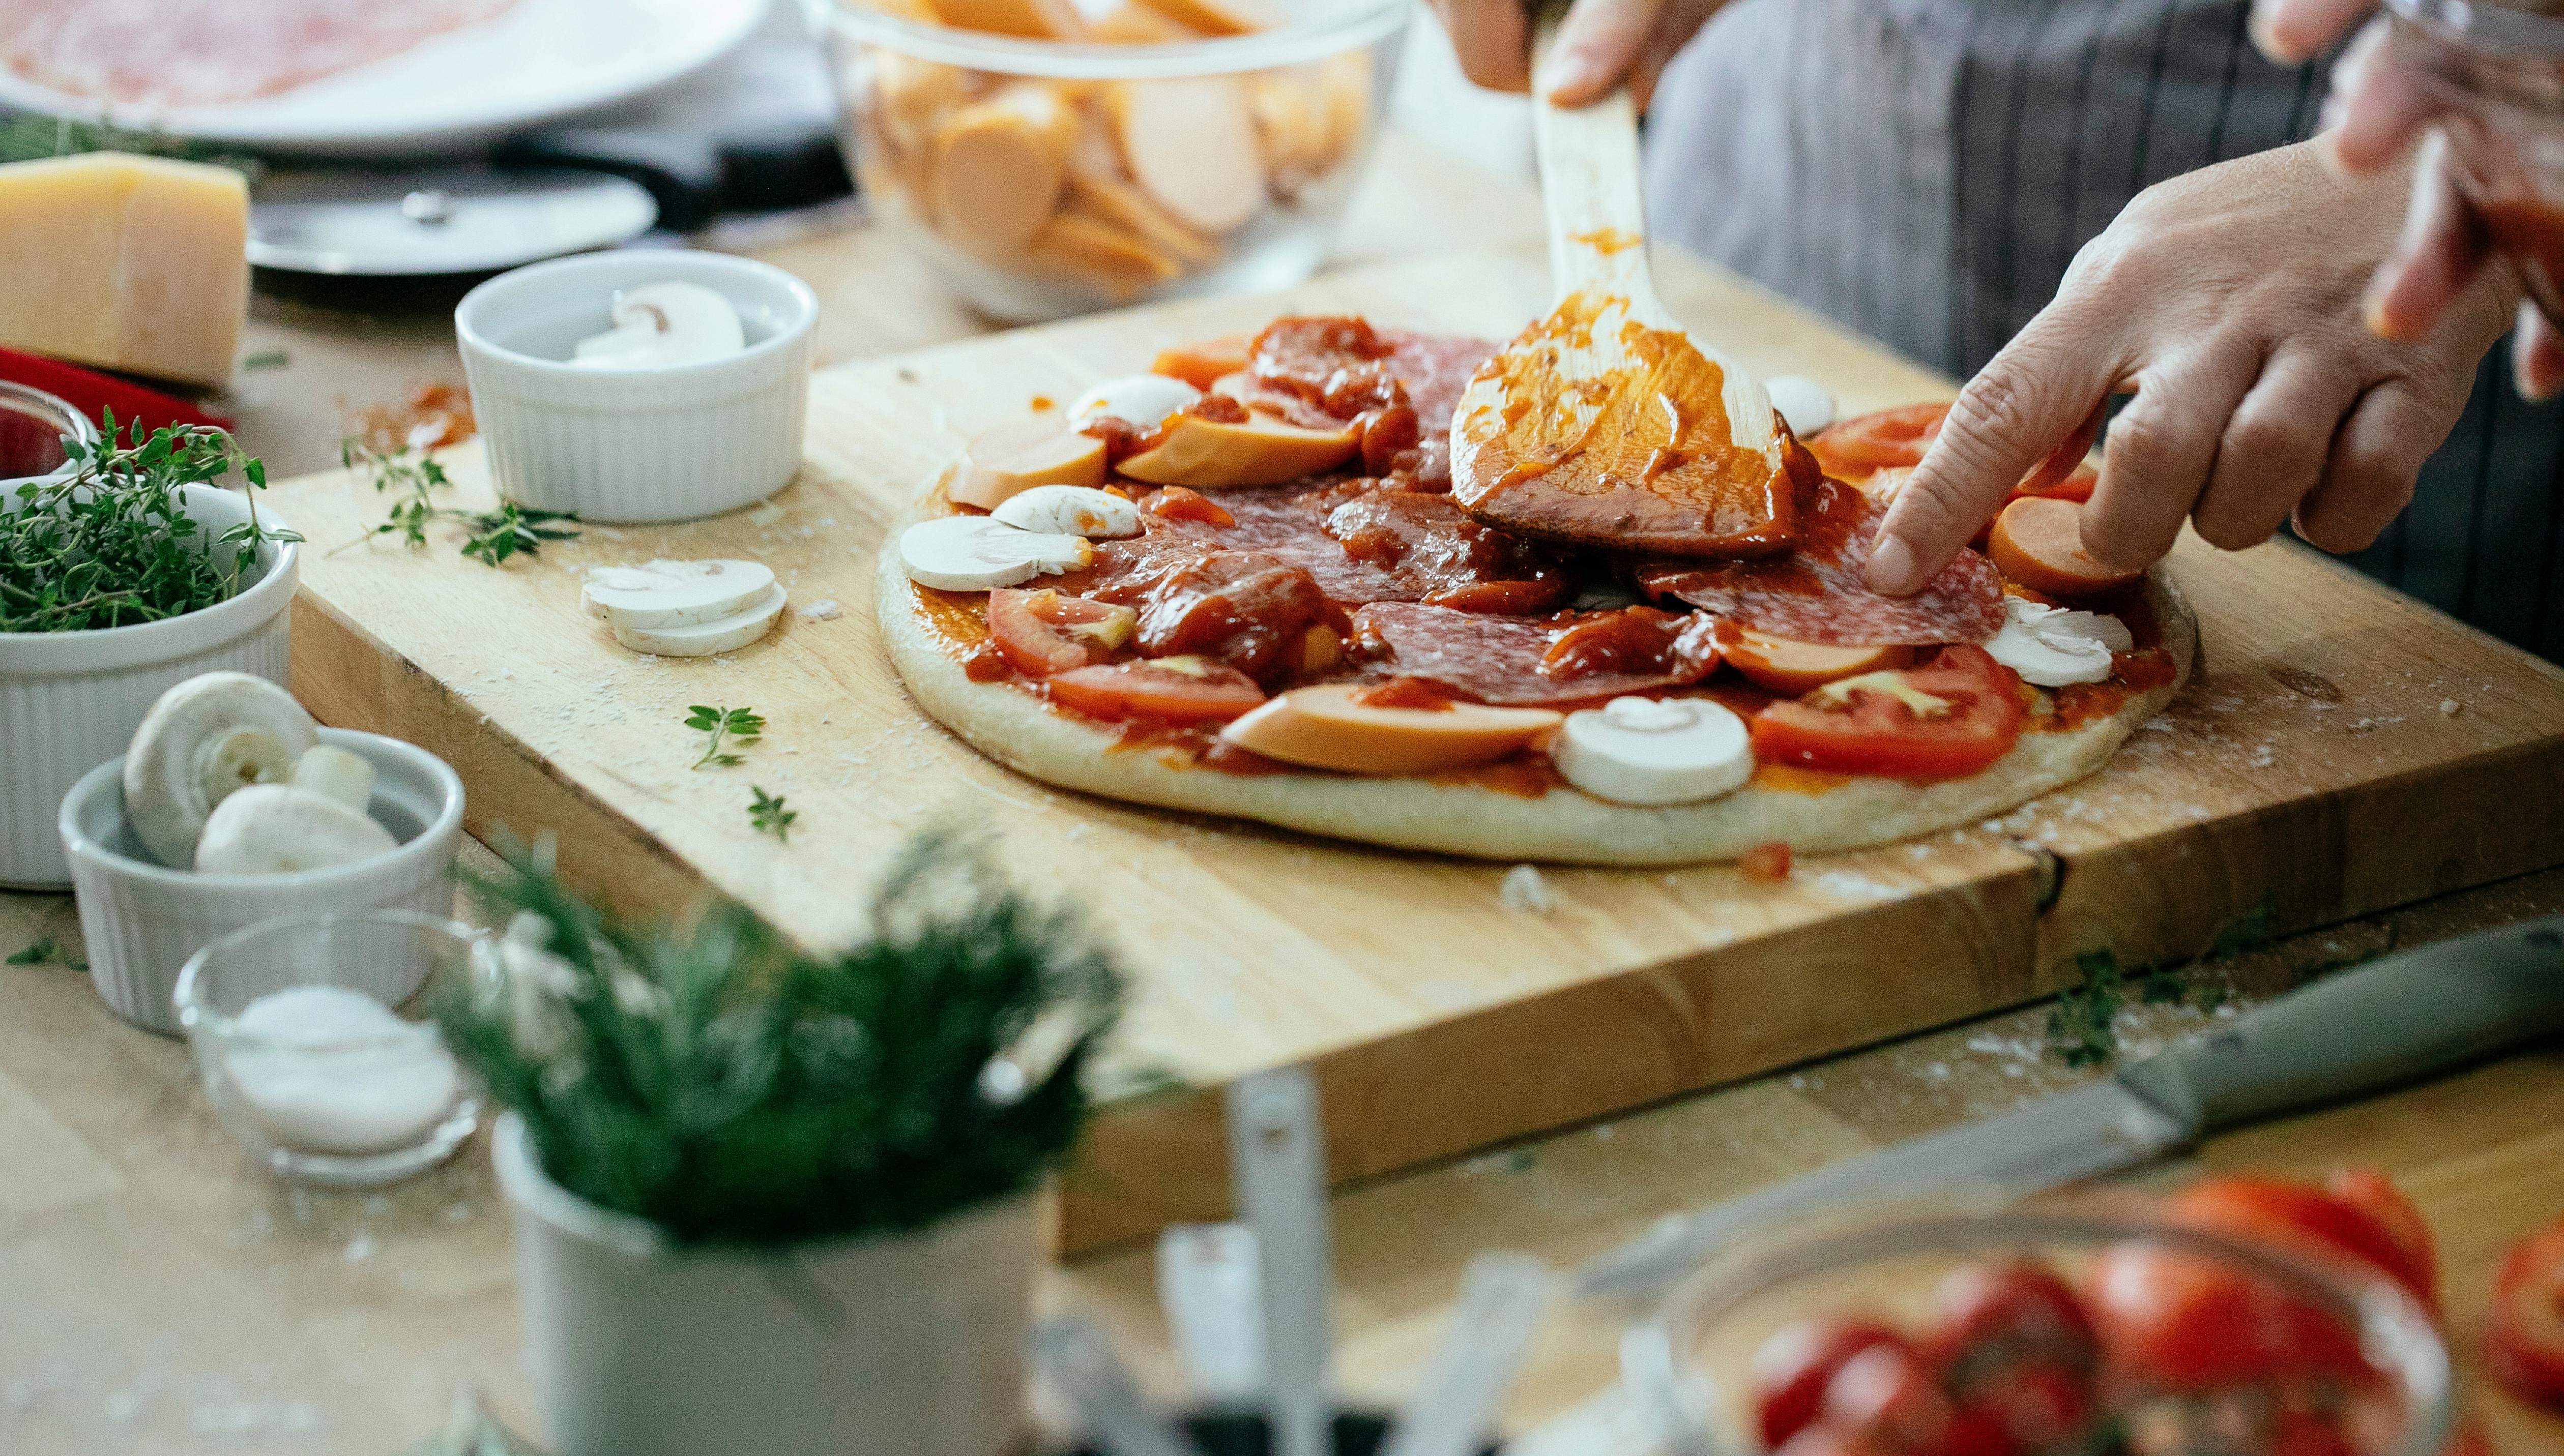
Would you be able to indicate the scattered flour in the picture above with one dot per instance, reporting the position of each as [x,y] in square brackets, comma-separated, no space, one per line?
[825,609]
[1523,890]
[1851,885]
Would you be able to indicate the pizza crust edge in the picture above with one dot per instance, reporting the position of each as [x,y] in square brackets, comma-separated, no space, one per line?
[1472,820]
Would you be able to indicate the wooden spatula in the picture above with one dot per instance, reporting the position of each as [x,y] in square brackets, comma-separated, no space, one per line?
[1604,424]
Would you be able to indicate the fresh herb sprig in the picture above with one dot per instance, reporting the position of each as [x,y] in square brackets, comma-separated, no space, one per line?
[733,1089]
[766,814]
[42,949]
[740,728]
[2082,1027]
[109,541]
[29,137]
[411,476]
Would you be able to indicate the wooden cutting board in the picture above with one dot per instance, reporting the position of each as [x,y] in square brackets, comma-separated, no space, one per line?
[2342,749]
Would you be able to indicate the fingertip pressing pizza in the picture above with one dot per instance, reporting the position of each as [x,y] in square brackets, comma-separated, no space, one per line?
[1385,586]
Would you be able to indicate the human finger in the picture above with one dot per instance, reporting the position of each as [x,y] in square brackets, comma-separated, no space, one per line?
[2369,475]
[1680,22]
[2377,106]
[1598,47]
[2159,452]
[2441,249]
[2290,32]
[2274,448]
[2028,398]
[1492,40]
[2536,356]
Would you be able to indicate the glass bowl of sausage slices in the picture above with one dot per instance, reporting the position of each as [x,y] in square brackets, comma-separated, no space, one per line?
[2242,1316]
[1049,157]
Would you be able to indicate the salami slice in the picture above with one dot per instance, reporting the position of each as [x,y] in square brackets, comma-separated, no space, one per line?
[1437,370]
[1363,541]
[1820,592]
[1568,658]
[1249,609]
[1322,372]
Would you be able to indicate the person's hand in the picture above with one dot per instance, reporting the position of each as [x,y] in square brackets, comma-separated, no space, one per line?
[1603,44]
[2377,109]
[2226,300]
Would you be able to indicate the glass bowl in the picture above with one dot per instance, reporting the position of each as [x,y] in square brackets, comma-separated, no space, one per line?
[1042,178]
[1691,1364]
[32,427]
[2492,74]
[324,1089]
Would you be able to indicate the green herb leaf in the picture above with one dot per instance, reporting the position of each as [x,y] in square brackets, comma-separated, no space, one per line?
[733,1089]
[766,812]
[270,359]
[740,727]
[37,953]
[489,536]
[108,542]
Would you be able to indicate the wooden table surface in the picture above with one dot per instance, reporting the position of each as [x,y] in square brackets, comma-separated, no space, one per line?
[160,1295]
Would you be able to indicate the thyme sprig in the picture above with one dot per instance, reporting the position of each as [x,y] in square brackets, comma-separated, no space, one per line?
[731,1088]
[740,728]
[108,542]
[411,476]
[766,814]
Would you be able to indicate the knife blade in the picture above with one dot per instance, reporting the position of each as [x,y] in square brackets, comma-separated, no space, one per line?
[2400,1018]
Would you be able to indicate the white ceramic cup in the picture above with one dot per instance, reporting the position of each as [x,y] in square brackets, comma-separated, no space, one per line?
[635,444]
[143,919]
[71,699]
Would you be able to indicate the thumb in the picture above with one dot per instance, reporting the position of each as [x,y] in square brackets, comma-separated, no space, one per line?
[2019,410]
[1598,46]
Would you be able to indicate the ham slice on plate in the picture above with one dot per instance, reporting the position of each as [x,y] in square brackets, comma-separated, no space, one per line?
[1818,592]
[188,53]
[1517,661]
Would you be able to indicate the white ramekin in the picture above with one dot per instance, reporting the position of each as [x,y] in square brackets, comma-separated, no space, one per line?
[143,919]
[636,445]
[71,699]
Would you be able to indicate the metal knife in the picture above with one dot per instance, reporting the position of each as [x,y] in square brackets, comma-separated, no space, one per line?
[2403,1017]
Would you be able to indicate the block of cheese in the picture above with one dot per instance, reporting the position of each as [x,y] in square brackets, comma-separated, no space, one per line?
[128,263]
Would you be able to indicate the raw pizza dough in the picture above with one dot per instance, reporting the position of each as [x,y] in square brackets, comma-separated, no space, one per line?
[1460,817]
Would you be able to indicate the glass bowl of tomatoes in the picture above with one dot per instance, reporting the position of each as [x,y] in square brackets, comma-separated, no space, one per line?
[2088,1328]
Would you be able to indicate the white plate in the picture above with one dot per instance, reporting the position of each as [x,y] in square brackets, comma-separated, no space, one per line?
[539,60]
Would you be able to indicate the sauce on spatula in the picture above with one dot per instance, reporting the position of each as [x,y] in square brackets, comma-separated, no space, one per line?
[1598,428]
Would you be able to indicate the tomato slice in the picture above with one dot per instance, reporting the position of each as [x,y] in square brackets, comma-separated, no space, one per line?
[2524,1343]
[2173,1320]
[2295,1215]
[1048,631]
[1863,726]
[1883,438]
[2372,1194]
[1987,1316]
[1204,363]
[1172,689]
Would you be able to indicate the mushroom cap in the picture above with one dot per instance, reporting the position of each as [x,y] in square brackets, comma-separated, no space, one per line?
[278,829]
[170,787]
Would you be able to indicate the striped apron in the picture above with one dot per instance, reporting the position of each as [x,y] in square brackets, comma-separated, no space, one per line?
[1923,171]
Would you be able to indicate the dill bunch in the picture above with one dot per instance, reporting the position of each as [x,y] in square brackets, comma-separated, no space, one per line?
[733,1089]
[108,543]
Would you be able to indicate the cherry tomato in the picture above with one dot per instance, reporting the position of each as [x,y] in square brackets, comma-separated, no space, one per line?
[2187,1321]
[2523,1341]
[1173,689]
[2370,1191]
[1872,731]
[1047,631]
[1792,1367]
[1887,1390]
[2309,1219]
[2027,1406]
[1882,440]
[1989,1315]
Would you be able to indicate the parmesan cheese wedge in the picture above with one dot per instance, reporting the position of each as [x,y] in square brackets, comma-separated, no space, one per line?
[1000,166]
[1645,750]
[1326,727]
[127,263]
[1264,450]
[978,552]
[1070,511]
[1011,459]
[1191,142]
[706,638]
[674,593]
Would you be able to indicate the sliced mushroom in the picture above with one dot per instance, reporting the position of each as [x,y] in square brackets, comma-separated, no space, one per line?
[278,829]
[661,323]
[206,738]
